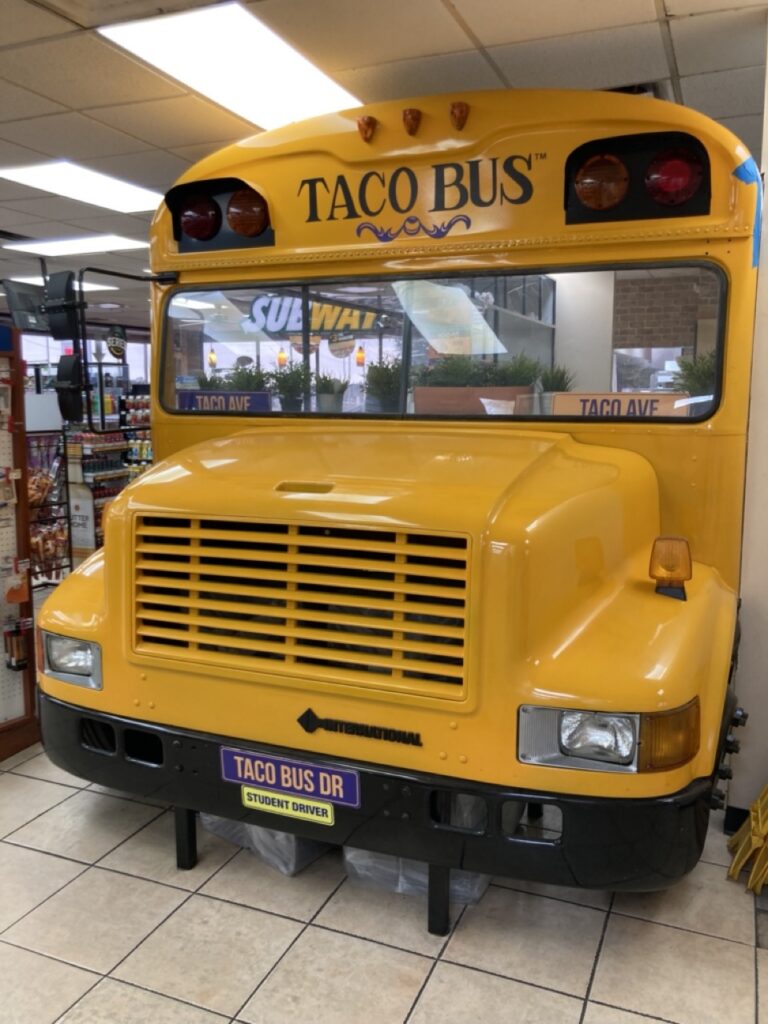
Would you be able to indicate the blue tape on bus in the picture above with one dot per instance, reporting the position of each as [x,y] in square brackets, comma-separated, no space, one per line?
[749,173]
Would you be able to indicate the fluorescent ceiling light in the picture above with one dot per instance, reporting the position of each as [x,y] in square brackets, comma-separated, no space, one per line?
[77,246]
[87,287]
[65,179]
[227,54]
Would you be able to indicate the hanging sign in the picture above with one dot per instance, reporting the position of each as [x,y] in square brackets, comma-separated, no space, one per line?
[116,340]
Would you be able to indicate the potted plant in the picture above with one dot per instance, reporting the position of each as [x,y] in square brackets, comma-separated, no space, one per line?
[553,379]
[382,386]
[330,392]
[473,387]
[291,383]
[696,376]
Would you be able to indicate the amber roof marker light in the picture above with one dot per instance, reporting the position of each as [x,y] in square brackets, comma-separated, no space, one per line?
[671,566]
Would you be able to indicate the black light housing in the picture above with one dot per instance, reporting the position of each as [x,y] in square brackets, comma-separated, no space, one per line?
[223,213]
[637,177]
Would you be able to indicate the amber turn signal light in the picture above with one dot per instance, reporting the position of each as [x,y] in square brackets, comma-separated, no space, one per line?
[602,182]
[669,738]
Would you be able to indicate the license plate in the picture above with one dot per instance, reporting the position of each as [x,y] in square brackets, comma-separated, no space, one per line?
[279,775]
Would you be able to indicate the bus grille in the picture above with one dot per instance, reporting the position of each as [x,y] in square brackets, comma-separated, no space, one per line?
[376,608]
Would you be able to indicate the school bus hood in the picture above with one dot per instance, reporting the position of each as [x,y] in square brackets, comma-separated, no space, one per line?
[482,482]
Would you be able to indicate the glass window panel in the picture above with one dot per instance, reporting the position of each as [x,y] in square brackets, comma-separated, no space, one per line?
[630,342]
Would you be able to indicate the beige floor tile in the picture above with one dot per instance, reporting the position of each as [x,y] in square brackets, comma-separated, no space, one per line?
[106,791]
[704,901]
[458,995]
[388,917]
[22,799]
[529,938]
[151,853]
[96,920]
[597,898]
[251,882]
[86,827]
[762,986]
[210,953]
[41,767]
[716,845]
[36,990]
[113,1002]
[610,1015]
[327,978]
[27,878]
[20,757]
[677,975]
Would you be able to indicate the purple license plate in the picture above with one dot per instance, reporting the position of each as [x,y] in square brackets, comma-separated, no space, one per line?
[320,782]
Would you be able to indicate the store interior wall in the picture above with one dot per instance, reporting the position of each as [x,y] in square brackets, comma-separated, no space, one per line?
[750,768]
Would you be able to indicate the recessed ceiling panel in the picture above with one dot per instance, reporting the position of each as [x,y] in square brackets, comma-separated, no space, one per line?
[90,13]
[592,60]
[16,103]
[496,23]
[699,42]
[23,21]
[344,34]
[154,169]
[88,70]
[421,77]
[72,136]
[182,121]
[726,93]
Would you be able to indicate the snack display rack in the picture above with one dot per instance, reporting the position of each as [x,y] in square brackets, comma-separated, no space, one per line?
[18,722]
[97,473]
[50,542]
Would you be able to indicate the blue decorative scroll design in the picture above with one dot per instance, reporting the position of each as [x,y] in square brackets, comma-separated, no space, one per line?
[749,173]
[412,226]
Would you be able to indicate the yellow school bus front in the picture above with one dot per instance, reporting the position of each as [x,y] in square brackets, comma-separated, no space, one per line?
[410,617]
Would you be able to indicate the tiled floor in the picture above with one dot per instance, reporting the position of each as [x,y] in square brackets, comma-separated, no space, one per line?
[97,926]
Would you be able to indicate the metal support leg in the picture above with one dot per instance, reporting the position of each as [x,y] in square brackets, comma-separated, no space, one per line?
[438,900]
[186,838]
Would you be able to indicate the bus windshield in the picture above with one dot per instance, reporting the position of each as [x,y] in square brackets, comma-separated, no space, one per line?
[636,342]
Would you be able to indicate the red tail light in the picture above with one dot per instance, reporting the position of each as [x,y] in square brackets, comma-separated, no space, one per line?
[247,213]
[200,218]
[673,177]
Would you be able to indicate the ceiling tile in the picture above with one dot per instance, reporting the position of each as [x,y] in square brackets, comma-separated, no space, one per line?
[496,24]
[698,42]
[17,103]
[345,34]
[54,207]
[153,169]
[591,60]
[8,218]
[748,128]
[85,69]
[35,228]
[126,225]
[23,21]
[12,155]
[68,136]
[725,93]
[10,190]
[182,121]
[421,77]
[91,13]
[676,8]
[194,153]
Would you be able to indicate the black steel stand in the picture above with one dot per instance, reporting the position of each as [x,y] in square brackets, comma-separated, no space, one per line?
[186,838]
[438,900]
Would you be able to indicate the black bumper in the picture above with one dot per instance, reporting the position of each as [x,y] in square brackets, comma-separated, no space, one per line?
[604,843]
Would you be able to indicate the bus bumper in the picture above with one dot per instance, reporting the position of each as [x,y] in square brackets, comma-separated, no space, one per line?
[631,845]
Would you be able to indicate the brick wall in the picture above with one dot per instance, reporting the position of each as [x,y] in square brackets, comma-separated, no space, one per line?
[660,312]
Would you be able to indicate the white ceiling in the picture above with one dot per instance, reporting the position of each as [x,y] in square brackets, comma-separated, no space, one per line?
[65,92]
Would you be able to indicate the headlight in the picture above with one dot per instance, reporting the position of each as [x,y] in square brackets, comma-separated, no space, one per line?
[599,741]
[72,661]
[596,736]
